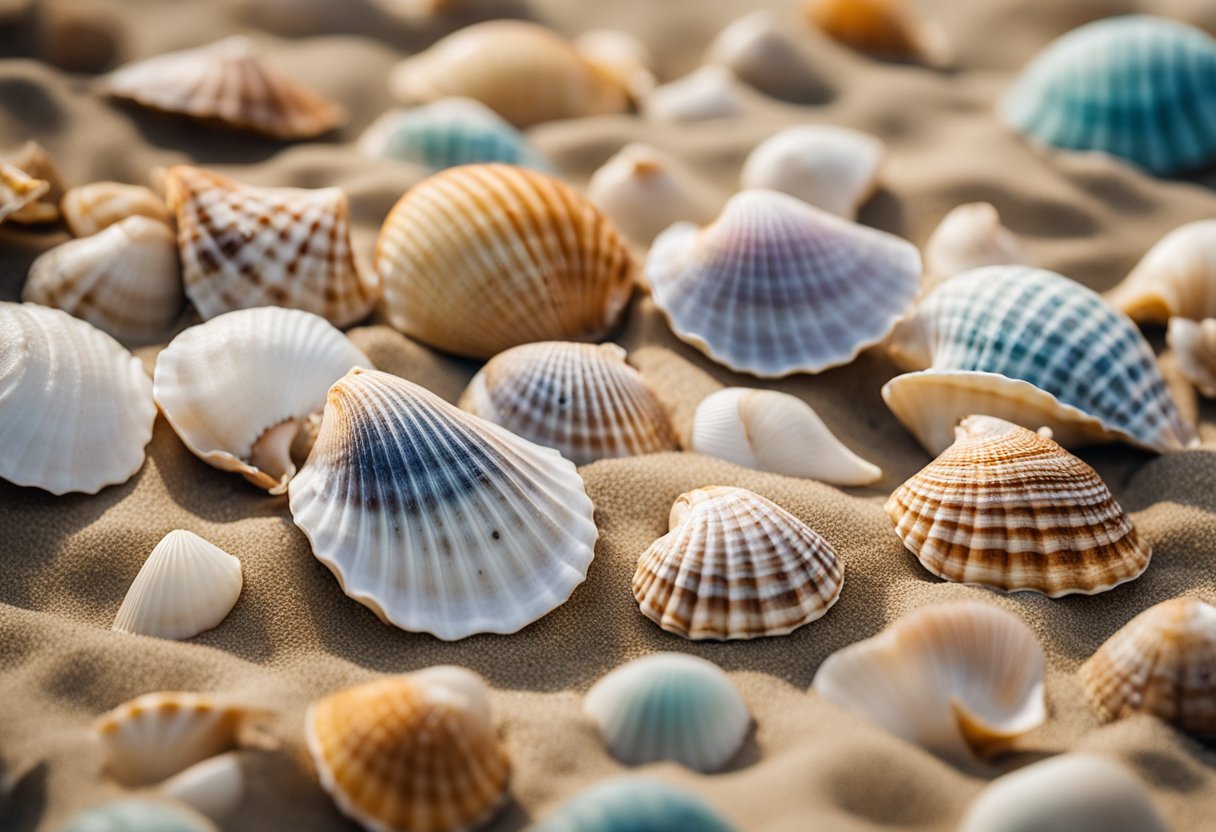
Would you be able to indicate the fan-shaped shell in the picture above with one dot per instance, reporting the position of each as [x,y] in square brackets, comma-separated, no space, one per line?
[239,389]
[213,787]
[78,407]
[760,49]
[1194,347]
[711,92]
[540,264]
[18,190]
[644,190]
[775,286]
[633,707]
[409,753]
[622,55]
[634,803]
[34,160]
[139,814]
[833,168]
[1177,277]
[969,237]
[243,247]
[94,207]
[957,679]
[439,521]
[883,28]
[582,399]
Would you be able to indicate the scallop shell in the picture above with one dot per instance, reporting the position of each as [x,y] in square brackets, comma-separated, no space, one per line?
[762,52]
[243,247]
[775,286]
[1194,346]
[438,521]
[94,207]
[78,407]
[833,168]
[711,92]
[634,803]
[226,82]
[139,814]
[540,264]
[1035,348]
[240,388]
[969,237]
[1163,662]
[34,160]
[124,280]
[957,679]
[213,787]
[1007,508]
[1176,278]
[883,28]
[18,191]
[622,55]
[771,431]
[409,753]
[582,399]
[634,704]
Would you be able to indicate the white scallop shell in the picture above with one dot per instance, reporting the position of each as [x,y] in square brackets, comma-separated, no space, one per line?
[711,92]
[766,54]
[622,55]
[213,787]
[968,237]
[91,208]
[1177,277]
[833,168]
[1194,346]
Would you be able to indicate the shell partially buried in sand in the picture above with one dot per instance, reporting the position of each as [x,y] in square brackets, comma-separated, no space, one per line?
[766,53]
[96,206]
[644,191]
[882,28]
[139,814]
[633,803]
[1194,347]
[969,237]
[830,167]
[1176,278]
[706,94]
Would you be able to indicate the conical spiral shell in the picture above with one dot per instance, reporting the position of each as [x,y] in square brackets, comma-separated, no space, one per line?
[1194,347]
[18,190]
[1176,278]
[634,803]
[540,264]
[644,190]
[878,27]
[969,237]
[830,167]
[94,207]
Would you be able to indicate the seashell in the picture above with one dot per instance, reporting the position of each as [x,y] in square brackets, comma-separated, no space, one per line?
[633,707]
[523,71]
[18,191]
[1007,508]
[1177,278]
[498,532]
[622,55]
[92,208]
[760,51]
[409,753]
[1035,348]
[78,37]
[213,787]
[1194,345]
[472,289]
[139,814]
[771,431]
[240,389]
[969,237]
[634,803]
[123,280]
[711,92]
[1163,663]
[833,168]
[956,679]
[226,82]
[78,407]
[582,399]
[883,28]
[775,286]
[34,160]
[243,247]
[735,566]
[186,586]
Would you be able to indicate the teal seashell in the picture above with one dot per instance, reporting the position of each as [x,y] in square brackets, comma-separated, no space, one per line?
[1139,87]
[139,815]
[634,804]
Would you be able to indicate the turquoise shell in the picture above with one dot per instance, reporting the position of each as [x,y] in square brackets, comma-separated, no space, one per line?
[139,815]
[634,804]
[1139,87]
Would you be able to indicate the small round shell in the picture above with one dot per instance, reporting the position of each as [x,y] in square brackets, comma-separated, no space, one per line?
[139,814]
[1194,346]
[91,208]
[1177,277]
[833,168]
[711,92]
[969,237]
[764,53]
[634,803]
[18,190]
[883,28]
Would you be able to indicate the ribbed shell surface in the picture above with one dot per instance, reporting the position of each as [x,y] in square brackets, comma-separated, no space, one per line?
[93,207]
[1177,277]
[634,803]
[17,189]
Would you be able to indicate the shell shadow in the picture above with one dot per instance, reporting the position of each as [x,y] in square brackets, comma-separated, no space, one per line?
[39,113]
[24,807]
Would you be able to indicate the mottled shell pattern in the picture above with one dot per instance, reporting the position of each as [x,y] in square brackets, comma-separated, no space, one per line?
[1194,346]
[34,160]
[765,53]
[969,237]
[636,803]
[18,190]
[705,94]
[94,207]
[139,814]
[883,28]
[1177,277]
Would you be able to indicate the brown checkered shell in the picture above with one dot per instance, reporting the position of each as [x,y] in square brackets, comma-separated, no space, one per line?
[18,190]
[481,258]
[91,208]
[736,566]
[1163,662]
[1007,508]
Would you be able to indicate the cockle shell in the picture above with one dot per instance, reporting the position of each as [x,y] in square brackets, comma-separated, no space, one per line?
[969,237]
[540,264]
[735,565]
[438,521]
[634,803]
[1194,347]
[1007,508]
[410,753]
[644,190]
[582,399]
[1035,348]
[240,388]
[1177,277]
[761,51]
[34,160]
[622,55]
[78,408]
[957,679]
[1163,662]
[94,207]
[711,92]
[213,787]
[775,286]
[243,246]
[883,28]
[139,814]
[227,82]
[771,431]
[634,706]
[18,190]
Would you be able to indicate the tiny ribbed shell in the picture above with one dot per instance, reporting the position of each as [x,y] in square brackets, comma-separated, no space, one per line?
[34,160]
[833,168]
[636,706]
[540,264]
[91,208]
[213,787]
[634,804]
[139,814]
[243,246]
[408,754]
[1133,86]
[1194,347]
[18,190]
[764,52]
[644,190]
[436,520]
[969,237]
[711,92]
[1177,277]
[1007,508]
[775,286]
[957,679]
[1163,662]
[78,408]
[227,82]
[878,27]
[622,55]
[124,280]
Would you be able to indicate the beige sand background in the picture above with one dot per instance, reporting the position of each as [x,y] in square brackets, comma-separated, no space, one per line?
[66,562]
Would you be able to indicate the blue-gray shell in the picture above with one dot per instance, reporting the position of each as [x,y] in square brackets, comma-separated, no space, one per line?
[634,804]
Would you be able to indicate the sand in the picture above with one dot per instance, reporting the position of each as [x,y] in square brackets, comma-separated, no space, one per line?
[293,636]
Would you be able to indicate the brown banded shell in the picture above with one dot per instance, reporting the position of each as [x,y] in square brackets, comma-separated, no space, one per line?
[18,190]
[36,162]
[94,207]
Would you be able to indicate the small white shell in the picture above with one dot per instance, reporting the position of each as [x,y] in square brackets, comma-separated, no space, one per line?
[1194,346]
[711,92]
[91,208]
[765,54]
[1177,277]
[968,237]
[622,55]
[833,168]
[213,787]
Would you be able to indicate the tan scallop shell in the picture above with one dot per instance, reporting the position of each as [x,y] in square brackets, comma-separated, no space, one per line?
[968,237]
[36,162]
[1194,346]
[1177,277]
[883,28]
[18,190]
[94,207]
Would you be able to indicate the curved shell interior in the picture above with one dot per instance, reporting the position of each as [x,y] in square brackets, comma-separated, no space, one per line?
[1177,277]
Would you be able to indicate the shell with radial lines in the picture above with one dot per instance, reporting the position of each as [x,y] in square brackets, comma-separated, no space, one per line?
[634,803]
[969,237]
[1194,347]
[1176,278]
[883,28]
[833,168]
[18,190]
[94,207]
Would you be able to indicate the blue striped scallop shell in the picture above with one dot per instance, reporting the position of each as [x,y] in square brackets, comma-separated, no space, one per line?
[634,804]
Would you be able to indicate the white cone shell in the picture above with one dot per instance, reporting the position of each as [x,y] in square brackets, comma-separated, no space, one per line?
[833,168]
[213,787]
[1176,277]
[1194,346]
[968,237]
[644,190]
[709,93]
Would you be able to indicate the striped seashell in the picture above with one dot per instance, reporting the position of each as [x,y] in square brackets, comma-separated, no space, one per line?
[94,207]
[18,190]
[1007,508]
[139,814]
[705,94]
[34,160]
[883,28]
[958,679]
[78,408]
[775,286]
[226,82]
[735,565]
[243,246]
[410,753]
[1194,347]
[633,707]
[1163,663]
[633,803]
[582,399]
[497,534]
[762,52]
[1126,86]
[213,788]
[622,55]
[1035,348]
[541,264]
[969,237]
[1176,278]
